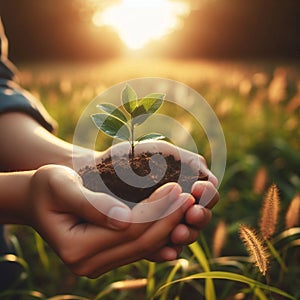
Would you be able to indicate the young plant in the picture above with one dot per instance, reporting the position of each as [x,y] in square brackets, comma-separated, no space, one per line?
[121,123]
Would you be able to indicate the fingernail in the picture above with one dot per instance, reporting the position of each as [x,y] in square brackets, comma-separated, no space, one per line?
[118,216]
[187,200]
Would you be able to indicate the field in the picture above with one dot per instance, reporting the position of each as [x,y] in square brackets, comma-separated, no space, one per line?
[258,105]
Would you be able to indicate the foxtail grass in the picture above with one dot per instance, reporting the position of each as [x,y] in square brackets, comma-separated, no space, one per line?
[260,180]
[219,239]
[255,247]
[269,212]
[292,216]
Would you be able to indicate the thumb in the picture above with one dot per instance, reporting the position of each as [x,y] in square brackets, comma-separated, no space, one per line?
[105,210]
[98,208]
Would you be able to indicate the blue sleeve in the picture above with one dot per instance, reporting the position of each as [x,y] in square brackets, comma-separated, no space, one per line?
[15,99]
[12,97]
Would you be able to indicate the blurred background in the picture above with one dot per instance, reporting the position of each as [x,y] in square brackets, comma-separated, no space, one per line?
[243,56]
[80,30]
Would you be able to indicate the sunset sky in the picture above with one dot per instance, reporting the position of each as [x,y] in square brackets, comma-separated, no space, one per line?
[95,29]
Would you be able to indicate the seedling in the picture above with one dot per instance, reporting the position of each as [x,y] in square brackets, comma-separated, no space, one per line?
[120,122]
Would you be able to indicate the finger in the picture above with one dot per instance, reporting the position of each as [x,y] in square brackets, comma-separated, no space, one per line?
[197,163]
[197,217]
[167,253]
[183,235]
[154,238]
[158,204]
[103,210]
[94,239]
[205,193]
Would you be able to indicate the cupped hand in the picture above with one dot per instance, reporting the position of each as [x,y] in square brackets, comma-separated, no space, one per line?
[92,241]
[198,215]
[195,219]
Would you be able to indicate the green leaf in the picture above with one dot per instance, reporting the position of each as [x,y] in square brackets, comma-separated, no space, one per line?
[139,115]
[129,98]
[151,136]
[112,109]
[111,126]
[152,102]
[146,107]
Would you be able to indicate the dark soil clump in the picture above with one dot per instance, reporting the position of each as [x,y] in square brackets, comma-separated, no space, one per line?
[141,165]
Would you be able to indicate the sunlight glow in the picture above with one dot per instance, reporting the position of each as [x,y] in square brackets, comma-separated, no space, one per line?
[138,22]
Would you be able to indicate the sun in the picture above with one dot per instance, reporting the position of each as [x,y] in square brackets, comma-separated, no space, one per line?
[139,22]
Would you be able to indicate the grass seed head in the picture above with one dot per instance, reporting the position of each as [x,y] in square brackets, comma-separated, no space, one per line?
[269,212]
[260,180]
[292,216]
[255,247]
[219,238]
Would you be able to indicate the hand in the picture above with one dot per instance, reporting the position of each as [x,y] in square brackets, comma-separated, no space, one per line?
[195,219]
[92,242]
[197,216]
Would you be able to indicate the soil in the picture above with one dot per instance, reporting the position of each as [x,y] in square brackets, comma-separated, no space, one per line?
[175,172]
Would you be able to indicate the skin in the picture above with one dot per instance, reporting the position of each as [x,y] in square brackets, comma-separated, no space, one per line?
[47,194]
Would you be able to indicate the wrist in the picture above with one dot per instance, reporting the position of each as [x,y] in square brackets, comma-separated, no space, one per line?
[15,197]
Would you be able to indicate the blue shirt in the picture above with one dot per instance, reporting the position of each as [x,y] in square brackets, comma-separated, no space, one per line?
[12,96]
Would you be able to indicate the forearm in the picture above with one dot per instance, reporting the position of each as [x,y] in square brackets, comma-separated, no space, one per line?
[26,145]
[14,197]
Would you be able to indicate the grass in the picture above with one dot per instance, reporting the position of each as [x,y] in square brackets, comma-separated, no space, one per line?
[258,105]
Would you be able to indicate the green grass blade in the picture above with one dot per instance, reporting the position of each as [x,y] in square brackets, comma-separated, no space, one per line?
[233,277]
[170,278]
[67,297]
[15,259]
[123,285]
[277,256]
[29,294]
[200,256]
[40,245]
[289,233]
[151,279]
[260,295]
[16,245]
[104,292]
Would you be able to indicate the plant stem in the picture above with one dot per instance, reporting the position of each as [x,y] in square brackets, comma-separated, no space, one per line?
[132,141]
